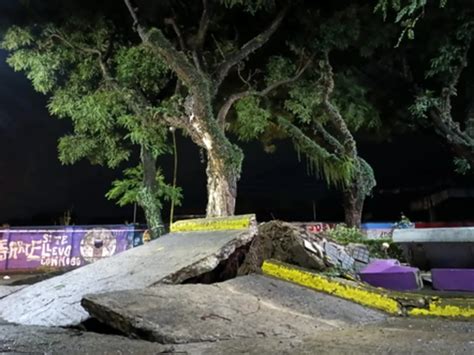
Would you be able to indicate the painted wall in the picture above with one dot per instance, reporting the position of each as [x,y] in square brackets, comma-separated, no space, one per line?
[29,249]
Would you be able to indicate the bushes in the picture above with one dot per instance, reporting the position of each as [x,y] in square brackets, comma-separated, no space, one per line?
[377,247]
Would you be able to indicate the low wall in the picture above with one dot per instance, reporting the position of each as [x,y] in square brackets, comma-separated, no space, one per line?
[55,248]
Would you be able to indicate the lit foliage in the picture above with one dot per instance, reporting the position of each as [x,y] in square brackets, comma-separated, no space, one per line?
[98,82]
[129,189]
[407,13]
[252,118]
[251,6]
[435,101]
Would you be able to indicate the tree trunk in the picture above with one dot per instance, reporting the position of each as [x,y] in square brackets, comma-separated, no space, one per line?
[353,206]
[221,185]
[148,200]
[224,159]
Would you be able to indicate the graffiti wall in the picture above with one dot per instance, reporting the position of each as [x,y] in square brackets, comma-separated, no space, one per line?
[63,247]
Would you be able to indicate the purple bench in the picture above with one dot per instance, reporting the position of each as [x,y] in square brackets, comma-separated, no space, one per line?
[453,279]
[391,275]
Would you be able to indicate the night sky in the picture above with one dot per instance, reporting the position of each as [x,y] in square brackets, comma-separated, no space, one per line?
[36,189]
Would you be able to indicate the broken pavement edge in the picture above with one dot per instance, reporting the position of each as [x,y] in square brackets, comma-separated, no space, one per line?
[395,303]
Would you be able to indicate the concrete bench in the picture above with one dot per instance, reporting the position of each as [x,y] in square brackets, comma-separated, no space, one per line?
[437,247]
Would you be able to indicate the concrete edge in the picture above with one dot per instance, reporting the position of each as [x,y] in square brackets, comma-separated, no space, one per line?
[214,224]
[391,302]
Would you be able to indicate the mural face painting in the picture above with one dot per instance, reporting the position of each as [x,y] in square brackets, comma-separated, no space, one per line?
[63,247]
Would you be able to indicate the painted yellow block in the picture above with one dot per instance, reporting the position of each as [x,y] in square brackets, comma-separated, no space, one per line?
[214,224]
[331,286]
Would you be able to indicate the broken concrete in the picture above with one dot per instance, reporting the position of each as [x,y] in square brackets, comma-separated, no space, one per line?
[7,290]
[399,336]
[41,340]
[285,242]
[172,258]
[246,307]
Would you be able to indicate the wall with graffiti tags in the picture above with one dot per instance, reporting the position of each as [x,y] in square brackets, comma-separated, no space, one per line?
[29,249]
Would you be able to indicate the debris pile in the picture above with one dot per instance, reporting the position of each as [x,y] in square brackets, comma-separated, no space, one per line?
[292,244]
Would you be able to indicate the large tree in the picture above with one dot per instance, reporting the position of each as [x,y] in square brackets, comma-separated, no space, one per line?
[301,98]
[204,54]
[95,77]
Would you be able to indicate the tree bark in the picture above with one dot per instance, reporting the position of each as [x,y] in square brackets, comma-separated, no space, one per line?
[221,186]
[353,201]
[148,200]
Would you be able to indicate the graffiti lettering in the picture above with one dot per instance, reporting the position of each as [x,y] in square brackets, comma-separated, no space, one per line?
[61,261]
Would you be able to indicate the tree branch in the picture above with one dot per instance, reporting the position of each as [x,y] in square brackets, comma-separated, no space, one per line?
[163,48]
[248,48]
[172,22]
[327,81]
[327,137]
[72,45]
[203,26]
[225,108]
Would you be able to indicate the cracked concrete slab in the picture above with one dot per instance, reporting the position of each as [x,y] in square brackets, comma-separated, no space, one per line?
[21,339]
[172,258]
[400,336]
[8,290]
[247,307]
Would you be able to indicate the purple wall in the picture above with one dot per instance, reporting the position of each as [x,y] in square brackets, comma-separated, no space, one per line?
[63,247]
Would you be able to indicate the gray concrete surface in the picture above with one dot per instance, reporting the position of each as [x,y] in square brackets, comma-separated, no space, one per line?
[171,258]
[42,340]
[394,336]
[434,235]
[247,307]
[7,290]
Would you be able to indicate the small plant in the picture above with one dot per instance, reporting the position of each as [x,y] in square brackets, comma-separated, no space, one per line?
[377,247]
[345,235]
[404,222]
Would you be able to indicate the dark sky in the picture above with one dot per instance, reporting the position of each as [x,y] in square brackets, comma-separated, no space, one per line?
[36,189]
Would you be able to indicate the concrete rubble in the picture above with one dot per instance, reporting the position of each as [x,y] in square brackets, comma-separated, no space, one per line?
[246,307]
[20,339]
[292,244]
[172,258]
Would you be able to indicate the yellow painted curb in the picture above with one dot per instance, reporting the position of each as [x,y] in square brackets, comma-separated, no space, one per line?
[448,308]
[214,224]
[397,303]
[331,286]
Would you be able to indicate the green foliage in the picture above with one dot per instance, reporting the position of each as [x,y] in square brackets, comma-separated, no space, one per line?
[303,101]
[252,119]
[335,170]
[345,235]
[137,67]
[339,31]
[423,103]
[279,68]
[351,99]
[408,13]
[462,166]
[251,6]
[127,190]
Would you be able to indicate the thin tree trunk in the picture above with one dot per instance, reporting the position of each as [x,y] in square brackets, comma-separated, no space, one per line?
[148,200]
[353,206]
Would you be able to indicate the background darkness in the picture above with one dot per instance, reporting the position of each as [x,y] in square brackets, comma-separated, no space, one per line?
[36,189]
